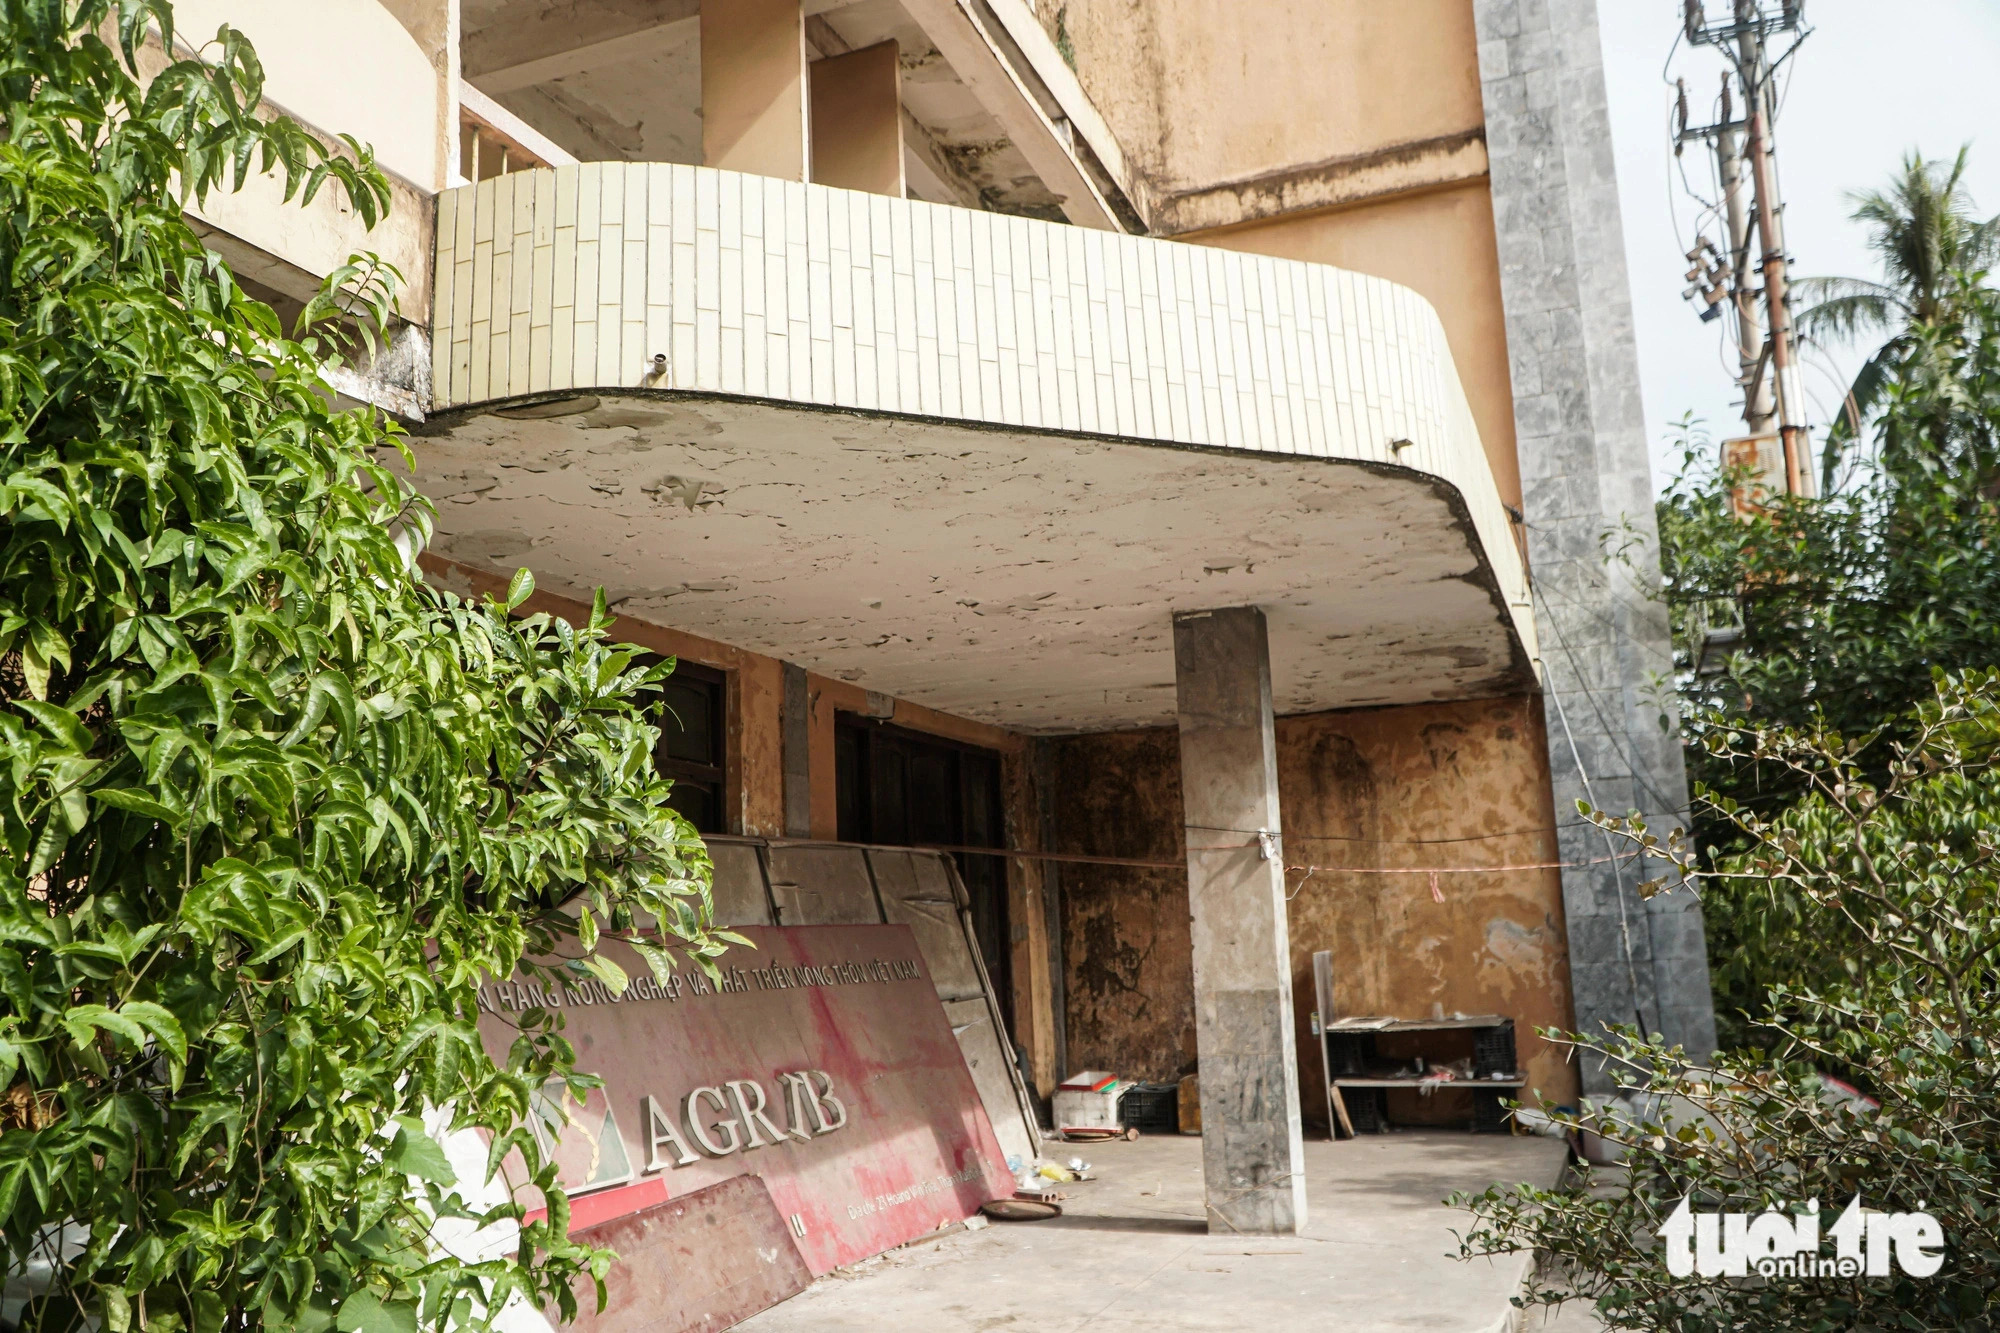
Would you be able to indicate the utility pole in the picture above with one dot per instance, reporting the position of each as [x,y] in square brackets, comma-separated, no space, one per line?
[1750,342]
[1747,163]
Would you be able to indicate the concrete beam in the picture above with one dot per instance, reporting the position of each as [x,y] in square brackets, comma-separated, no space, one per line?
[1060,93]
[977,56]
[1252,1153]
[511,130]
[932,174]
[822,37]
[558,43]
[755,106]
[857,121]
[553,106]
[555,41]
[660,40]
[929,172]
[1337,182]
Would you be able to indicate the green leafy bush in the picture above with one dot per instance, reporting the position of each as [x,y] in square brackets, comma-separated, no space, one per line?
[271,808]
[1895,859]
[1833,612]
[1839,607]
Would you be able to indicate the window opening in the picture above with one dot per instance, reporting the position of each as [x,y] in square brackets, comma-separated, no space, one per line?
[900,788]
[694,730]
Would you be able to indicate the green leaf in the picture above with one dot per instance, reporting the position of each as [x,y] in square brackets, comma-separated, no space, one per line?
[607,972]
[12,1174]
[418,1154]
[520,588]
[365,1312]
[49,846]
[249,911]
[35,670]
[117,1309]
[166,1029]
[138,802]
[84,1021]
[60,723]
[317,1315]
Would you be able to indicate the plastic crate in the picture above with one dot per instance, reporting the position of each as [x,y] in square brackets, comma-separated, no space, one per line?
[1366,1110]
[1348,1054]
[1489,1114]
[1152,1108]
[1493,1050]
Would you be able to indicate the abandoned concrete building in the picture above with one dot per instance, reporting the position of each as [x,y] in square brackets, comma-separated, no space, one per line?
[1165,444]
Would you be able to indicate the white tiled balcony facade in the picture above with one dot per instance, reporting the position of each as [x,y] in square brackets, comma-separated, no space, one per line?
[575,279]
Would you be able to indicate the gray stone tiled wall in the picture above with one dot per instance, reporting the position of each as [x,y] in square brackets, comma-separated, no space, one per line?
[1604,644]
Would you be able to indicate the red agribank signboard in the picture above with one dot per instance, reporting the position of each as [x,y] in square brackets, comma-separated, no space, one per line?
[823,1063]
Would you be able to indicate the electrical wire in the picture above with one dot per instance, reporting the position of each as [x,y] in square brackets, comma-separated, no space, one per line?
[1665,655]
[1774,90]
[1673,142]
[1822,362]
[1538,589]
[1624,921]
[1583,685]
[1149,863]
[1710,208]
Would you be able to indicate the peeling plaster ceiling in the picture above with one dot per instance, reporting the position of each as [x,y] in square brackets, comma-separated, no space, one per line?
[1021,579]
[639,104]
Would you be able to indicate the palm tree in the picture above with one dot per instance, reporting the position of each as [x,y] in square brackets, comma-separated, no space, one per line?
[1934,253]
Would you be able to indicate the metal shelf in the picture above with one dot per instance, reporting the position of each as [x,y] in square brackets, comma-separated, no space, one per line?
[1342,1027]
[1430,1083]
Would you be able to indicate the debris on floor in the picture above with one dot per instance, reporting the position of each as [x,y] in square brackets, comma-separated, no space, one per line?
[1133,1250]
[1020,1208]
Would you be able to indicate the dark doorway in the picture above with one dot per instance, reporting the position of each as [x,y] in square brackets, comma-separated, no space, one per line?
[901,788]
[694,729]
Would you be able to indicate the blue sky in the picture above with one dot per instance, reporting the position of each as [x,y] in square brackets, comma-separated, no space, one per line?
[1872,81]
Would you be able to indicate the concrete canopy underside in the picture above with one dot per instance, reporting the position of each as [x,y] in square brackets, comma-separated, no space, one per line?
[1020,578]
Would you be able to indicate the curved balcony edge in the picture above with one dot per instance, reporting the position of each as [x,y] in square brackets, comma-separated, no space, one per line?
[616,278]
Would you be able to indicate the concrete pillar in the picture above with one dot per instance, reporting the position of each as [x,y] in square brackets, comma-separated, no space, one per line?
[754,107]
[857,120]
[1582,442]
[1251,1150]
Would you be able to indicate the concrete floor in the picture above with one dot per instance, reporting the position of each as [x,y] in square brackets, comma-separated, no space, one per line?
[1132,1252]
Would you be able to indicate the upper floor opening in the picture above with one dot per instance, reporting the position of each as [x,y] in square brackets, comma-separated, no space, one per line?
[961,104]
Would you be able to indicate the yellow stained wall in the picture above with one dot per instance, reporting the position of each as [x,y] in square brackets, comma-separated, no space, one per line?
[1439,243]
[1203,91]
[1336,131]
[1438,785]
